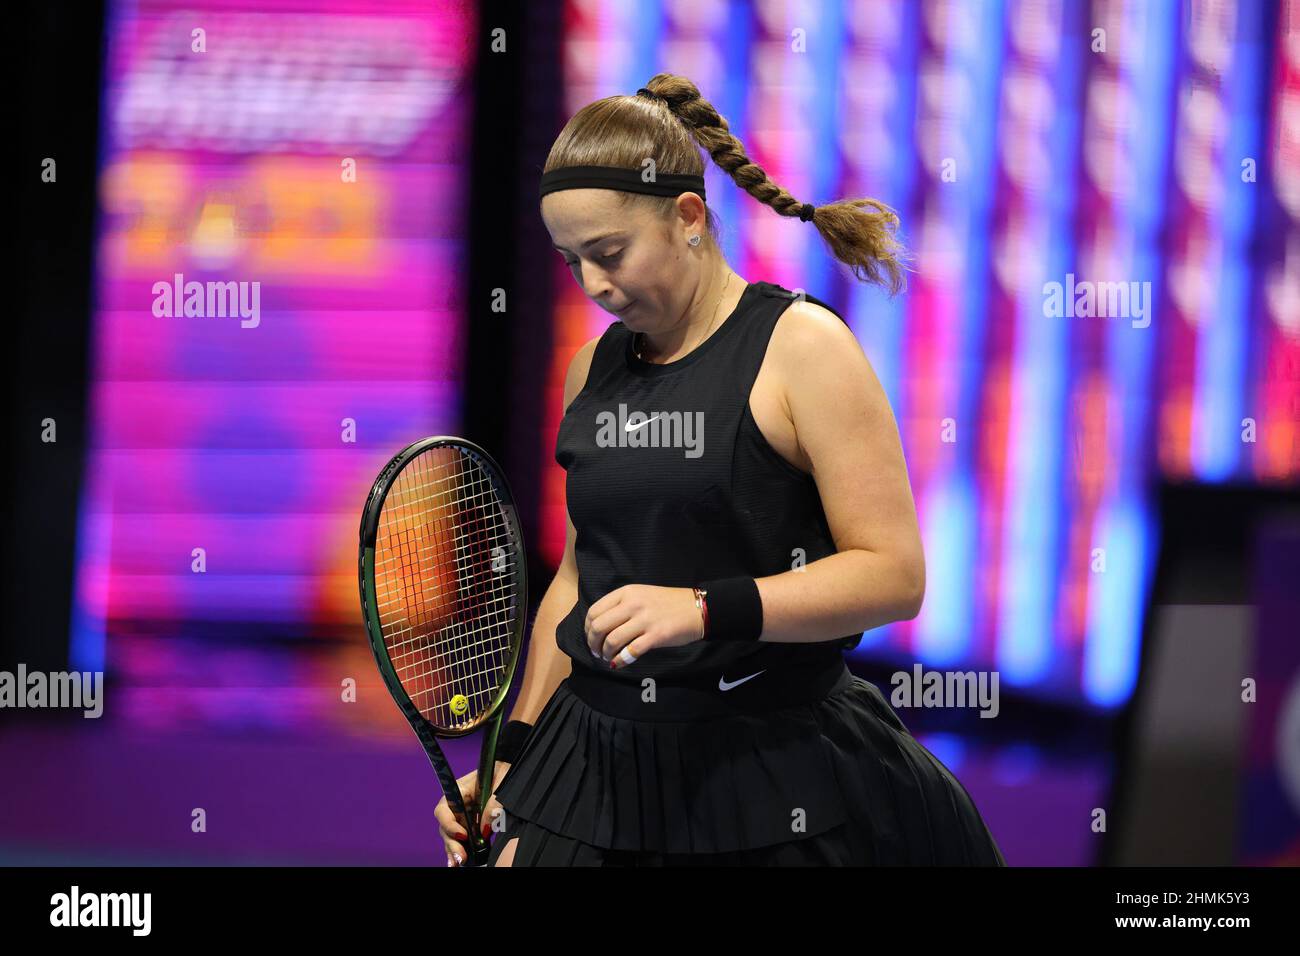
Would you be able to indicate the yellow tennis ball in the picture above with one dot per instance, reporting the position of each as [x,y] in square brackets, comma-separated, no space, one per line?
[459,704]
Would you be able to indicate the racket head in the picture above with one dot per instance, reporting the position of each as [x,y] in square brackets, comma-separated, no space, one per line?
[442,573]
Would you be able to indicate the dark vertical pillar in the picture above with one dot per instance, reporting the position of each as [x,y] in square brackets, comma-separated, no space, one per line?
[517,116]
[58,60]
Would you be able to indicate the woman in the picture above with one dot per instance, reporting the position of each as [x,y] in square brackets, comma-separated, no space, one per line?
[737,500]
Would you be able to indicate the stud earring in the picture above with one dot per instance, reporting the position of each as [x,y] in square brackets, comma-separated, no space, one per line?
[694,240]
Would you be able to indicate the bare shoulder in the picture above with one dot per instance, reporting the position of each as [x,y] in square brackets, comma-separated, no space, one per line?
[808,323]
[579,366]
[810,343]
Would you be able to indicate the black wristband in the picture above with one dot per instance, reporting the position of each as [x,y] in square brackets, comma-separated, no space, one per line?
[511,740]
[735,609]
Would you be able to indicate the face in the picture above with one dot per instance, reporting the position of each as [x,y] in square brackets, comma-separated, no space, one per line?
[629,261]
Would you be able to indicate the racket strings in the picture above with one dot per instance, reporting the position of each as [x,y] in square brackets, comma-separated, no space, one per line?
[423,677]
[404,640]
[468,681]
[445,586]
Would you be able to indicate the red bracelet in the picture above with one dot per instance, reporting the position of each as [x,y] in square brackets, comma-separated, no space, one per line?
[701,601]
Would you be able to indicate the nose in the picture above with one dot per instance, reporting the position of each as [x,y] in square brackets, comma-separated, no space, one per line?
[596,286]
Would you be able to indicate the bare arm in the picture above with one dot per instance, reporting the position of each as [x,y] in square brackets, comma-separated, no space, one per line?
[844,424]
[546,665]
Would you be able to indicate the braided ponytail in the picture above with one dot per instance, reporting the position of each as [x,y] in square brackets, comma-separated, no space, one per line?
[669,122]
[863,241]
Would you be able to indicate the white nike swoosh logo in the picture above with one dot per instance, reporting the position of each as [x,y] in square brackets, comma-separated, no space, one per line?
[724,685]
[631,428]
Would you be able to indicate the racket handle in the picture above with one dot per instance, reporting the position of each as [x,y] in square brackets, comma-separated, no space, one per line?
[479,848]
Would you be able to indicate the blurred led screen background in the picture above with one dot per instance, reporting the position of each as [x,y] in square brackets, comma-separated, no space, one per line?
[1147,152]
[298,177]
[311,166]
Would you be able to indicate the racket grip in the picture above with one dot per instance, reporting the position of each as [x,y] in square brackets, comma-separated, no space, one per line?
[479,846]
[479,849]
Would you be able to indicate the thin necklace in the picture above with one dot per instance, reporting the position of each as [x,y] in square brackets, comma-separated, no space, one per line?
[636,349]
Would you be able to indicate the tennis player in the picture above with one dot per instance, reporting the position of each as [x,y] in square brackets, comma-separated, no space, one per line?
[739,512]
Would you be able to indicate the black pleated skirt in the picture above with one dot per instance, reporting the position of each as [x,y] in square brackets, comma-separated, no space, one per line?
[840,782]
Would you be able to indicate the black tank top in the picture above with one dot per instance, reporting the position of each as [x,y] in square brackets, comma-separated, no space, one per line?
[670,482]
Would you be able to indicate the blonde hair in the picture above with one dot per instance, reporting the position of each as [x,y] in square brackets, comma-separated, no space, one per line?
[671,128]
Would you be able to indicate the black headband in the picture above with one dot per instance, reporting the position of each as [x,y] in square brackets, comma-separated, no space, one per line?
[617,177]
[629,180]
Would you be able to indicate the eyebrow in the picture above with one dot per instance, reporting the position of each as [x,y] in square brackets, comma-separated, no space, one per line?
[594,240]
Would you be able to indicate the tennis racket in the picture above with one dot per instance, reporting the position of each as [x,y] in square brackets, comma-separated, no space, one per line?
[444,597]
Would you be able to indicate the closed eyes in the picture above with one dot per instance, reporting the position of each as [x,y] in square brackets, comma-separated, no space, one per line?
[610,257]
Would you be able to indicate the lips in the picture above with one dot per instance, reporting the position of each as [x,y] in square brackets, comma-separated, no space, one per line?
[625,308]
